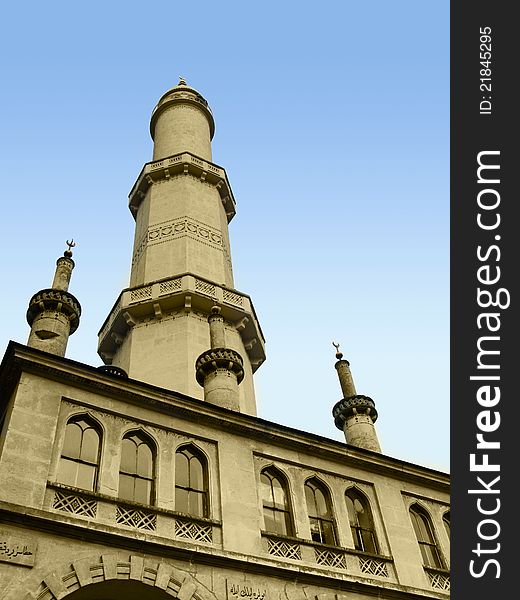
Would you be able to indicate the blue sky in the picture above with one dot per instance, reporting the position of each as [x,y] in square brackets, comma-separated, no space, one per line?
[332,122]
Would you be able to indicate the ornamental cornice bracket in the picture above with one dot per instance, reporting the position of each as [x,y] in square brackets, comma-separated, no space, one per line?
[182,164]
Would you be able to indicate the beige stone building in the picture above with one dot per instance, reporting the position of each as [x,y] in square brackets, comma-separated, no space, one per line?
[152,476]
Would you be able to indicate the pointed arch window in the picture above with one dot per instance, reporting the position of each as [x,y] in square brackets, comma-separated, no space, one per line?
[275,502]
[79,460]
[191,482]
[361,522]
[137,469]
[446,521]
[320,513]
[425,538]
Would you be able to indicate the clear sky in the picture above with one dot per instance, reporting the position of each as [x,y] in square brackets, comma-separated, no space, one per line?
[332,122]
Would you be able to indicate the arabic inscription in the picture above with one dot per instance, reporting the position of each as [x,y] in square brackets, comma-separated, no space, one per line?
[15,549]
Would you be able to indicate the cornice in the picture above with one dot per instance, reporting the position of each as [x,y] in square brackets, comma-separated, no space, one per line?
[69,527]
[185,293]
[184,163]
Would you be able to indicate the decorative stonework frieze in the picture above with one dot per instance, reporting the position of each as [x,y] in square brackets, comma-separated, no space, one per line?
[205,287]
[75,504]
[439,580]
[233,298]
[284,548]
[373,566]
[172,285]
[330,558]
[193,530]
[55,300]
[175,229]
[187,164]
[358,404]
[142,293]
[138,519]
[216,358]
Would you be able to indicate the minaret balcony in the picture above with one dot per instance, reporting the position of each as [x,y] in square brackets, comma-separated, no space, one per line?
[182,164]
[162,299]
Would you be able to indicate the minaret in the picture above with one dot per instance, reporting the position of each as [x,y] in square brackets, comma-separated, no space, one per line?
[54,313]
[181,266]
[219,370]
[354,414]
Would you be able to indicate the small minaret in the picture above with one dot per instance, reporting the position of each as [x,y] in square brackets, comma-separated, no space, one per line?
[219,370]
[354,414]
[54,313]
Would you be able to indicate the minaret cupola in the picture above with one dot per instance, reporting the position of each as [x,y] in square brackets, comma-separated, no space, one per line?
[354,414]
[182,122]
[54,313]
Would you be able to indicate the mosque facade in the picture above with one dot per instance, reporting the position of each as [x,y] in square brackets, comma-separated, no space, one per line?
[152,476]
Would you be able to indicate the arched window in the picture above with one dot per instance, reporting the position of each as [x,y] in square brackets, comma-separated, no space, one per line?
[79,461]
[191,482]
[277,514]
[424,534]
[320,513]
[446,521]
[136,473]
[361,522]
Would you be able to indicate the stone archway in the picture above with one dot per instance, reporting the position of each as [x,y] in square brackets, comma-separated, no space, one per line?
[119,590]
[112,576]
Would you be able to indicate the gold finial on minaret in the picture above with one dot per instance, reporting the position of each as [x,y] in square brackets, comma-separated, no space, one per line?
[182,81]
[339,355]
[71,244]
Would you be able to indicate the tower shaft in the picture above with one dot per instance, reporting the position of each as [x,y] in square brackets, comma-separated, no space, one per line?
[181,264]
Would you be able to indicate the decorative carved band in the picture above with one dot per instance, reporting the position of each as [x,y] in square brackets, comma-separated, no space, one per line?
[176,228]
[438,579]
[233,298]
[192,530]
[57,300]
[330,558]
[141,293]
[219,358]
[182,164]
[136,518]
[284,549]
[74,504]
[172,285]
[373,566]
[205,287]
[353,405]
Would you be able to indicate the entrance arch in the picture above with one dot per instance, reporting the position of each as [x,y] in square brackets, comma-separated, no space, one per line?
[116,576]
[119,590]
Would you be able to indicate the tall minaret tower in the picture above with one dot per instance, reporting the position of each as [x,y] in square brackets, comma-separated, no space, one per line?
[181,265]
[54,312]
[355,414]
